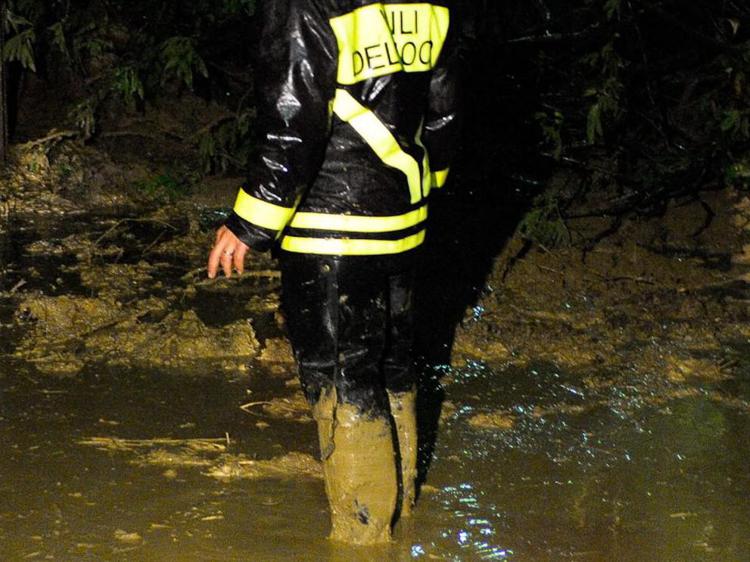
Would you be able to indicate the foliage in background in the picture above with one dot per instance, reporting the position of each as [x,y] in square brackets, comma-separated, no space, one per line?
[638,101]
[128,52]
[633,102]
[165,187]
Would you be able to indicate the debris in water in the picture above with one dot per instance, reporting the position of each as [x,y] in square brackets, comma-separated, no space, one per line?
[292,408]
[502,420]
[210,454]
[128,538]
[118,444]
[292,464]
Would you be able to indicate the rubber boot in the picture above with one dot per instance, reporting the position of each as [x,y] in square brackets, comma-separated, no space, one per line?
[359,467]
[404,412]
[323,413]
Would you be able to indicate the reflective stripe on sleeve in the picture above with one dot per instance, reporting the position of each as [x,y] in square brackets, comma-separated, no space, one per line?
[356,223]
[439,177]
[262,213]
[379,138]
[351,247]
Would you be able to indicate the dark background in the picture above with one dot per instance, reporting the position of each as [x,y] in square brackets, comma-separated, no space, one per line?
[591,108]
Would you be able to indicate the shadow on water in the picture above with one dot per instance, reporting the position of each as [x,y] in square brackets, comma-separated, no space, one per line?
[497,173]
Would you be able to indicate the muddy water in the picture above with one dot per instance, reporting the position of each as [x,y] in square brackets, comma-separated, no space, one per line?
[623,481]
[529,464]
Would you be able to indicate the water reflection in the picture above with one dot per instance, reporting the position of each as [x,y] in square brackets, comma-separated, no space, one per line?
[630,470]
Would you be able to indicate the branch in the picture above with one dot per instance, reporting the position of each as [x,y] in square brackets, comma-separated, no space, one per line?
[111,134]
[235,75]
[119,223]
[53,136]
[551,37]
[207,128]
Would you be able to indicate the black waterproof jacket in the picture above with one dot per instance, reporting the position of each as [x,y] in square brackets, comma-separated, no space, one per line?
[357,117]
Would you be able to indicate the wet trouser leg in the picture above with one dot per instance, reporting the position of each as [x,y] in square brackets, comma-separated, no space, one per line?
[404,413]
[349,322]
[400,383]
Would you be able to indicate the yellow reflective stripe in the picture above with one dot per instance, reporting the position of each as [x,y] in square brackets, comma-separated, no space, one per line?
[351,247]
[380,39]
[262,213]
[439,177]
[357,223]
[379,138]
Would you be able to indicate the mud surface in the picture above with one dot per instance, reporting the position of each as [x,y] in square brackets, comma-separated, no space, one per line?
[621,481]
[597,406]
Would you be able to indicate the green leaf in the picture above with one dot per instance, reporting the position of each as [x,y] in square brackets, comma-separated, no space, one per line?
[58,38]
[181,60]
[730,121]
[127,83]
[14,22]
[594,128]
[84,116]
[246,7]
[612,8]
[20,48]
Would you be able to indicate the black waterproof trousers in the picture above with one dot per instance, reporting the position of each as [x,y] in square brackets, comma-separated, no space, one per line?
[350,321]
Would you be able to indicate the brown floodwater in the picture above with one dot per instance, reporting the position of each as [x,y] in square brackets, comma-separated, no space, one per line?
[631,468]
[622,481]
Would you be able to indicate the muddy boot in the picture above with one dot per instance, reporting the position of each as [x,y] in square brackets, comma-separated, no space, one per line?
[404,412]
[323,413]
[360,472]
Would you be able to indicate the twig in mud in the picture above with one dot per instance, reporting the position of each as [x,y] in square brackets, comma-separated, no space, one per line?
[708,221]
[120,253]
[246,407]
[542,247]
[682,515]
[114,134]
[115,443]
[52,136]
[17,286]
[112,323]
[545,268]
[156,241]
[714,285]
[542,315]
[608,279]
[119,223]
[192,273]
[207,128]
[200,271]
[516,257]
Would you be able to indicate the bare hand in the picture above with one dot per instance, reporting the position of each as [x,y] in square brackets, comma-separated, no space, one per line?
[228,251]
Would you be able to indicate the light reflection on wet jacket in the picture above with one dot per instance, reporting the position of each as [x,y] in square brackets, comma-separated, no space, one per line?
[357,118]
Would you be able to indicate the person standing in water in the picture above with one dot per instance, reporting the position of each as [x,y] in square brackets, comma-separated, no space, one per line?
[357,118]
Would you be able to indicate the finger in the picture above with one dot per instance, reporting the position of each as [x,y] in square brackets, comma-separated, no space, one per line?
[214,257]
[239,258]
[213,261]
[219,234]
[226,261]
